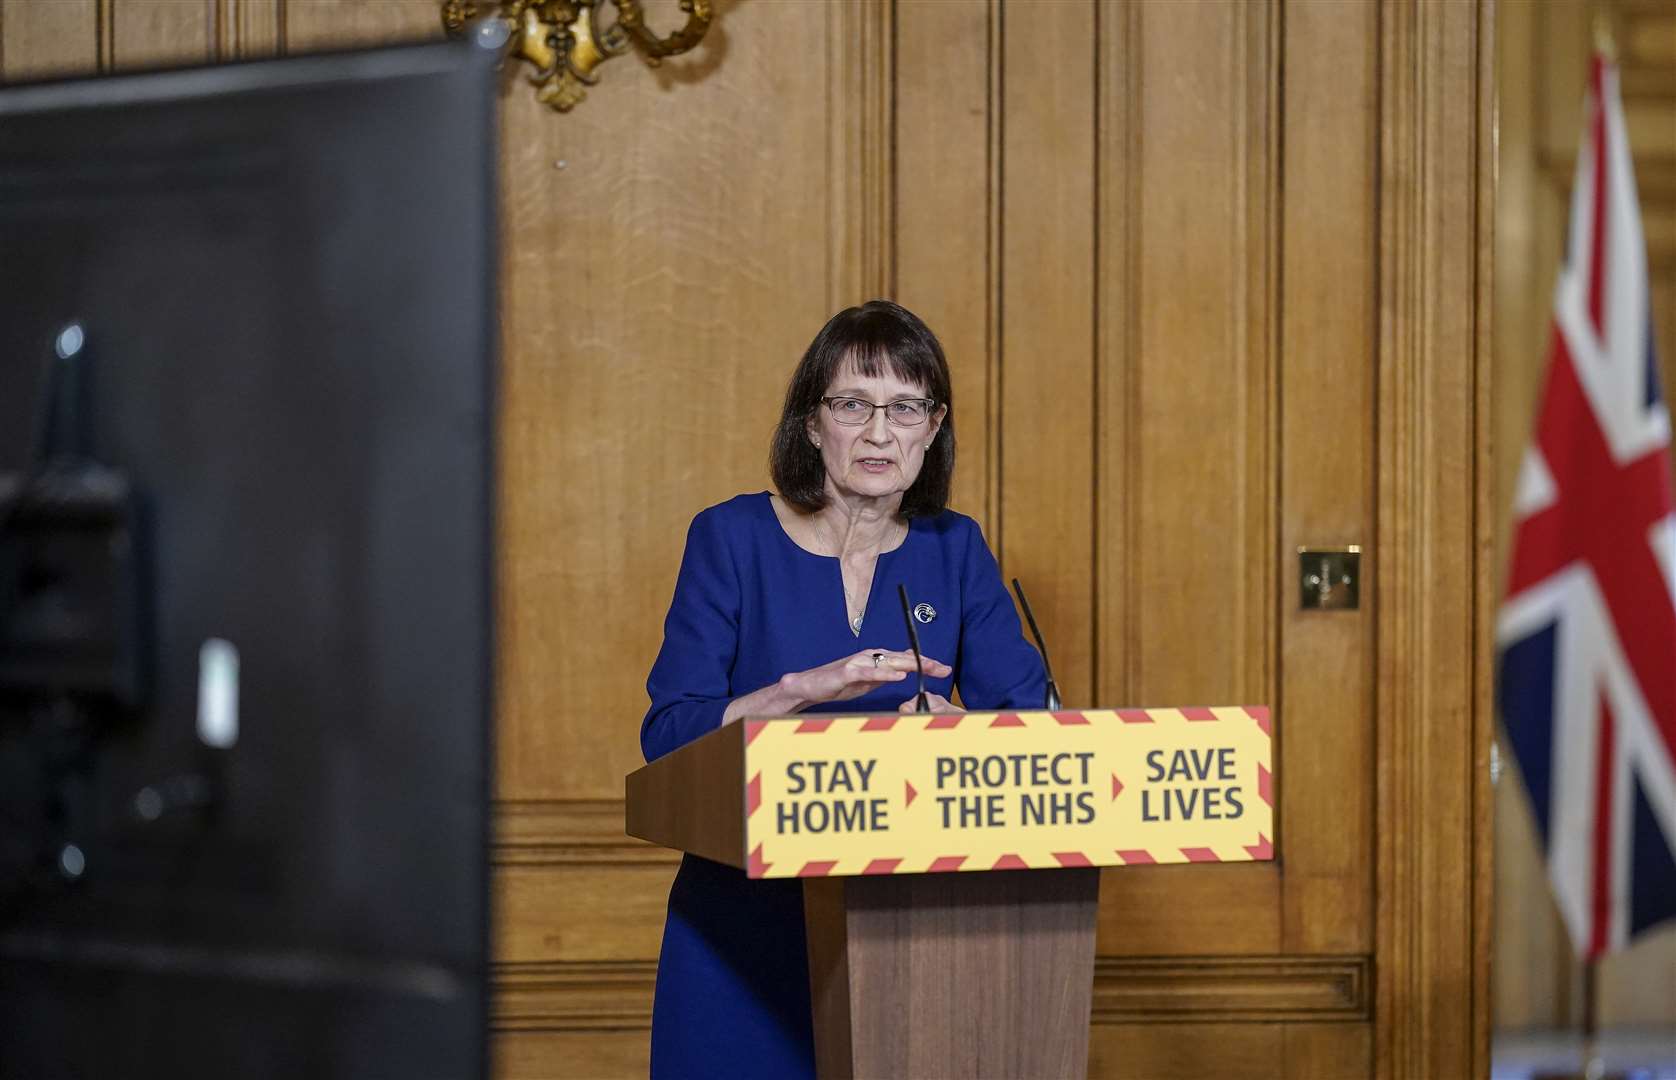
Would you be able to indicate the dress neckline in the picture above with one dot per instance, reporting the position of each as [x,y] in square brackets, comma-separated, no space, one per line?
[779,527]
[834,562]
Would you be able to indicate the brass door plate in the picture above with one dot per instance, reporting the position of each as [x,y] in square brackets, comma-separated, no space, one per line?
[1329,579]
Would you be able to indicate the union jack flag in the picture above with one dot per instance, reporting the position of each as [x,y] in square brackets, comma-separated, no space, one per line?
[1587,634]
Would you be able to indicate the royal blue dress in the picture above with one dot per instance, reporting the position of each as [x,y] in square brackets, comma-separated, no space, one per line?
[732,996]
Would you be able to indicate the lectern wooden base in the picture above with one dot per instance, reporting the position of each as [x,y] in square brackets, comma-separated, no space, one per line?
[952,975]
[988,970]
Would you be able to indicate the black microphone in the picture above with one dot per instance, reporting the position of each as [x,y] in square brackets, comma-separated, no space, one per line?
[1052,704]
[921,705]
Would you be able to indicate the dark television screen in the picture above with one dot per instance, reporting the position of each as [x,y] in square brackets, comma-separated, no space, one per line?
[245,568]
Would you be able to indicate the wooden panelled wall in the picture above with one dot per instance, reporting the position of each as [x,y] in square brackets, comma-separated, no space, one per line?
[1214,281]
[1543,71]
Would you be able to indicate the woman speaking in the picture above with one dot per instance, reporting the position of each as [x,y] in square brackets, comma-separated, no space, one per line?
[787,603]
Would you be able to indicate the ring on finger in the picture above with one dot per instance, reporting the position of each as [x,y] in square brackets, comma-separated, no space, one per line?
[878,659]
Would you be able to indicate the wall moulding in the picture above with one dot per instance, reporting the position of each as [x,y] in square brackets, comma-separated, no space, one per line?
[1231,989]
[861,141]
[559,996]
[568,832]
[595,995]
[1434,579]
[245,29]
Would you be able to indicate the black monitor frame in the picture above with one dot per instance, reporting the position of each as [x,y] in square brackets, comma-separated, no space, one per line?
[284,271]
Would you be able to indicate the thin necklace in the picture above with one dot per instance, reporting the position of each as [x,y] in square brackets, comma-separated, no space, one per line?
[855,623]
[849,601]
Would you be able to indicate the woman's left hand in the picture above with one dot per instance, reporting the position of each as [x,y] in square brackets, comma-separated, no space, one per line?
[939,704]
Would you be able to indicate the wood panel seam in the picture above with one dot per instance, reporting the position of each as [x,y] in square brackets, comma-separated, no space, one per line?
[1096,325]
[1481,641]
[1134,61]
[887,223]
[1267,583]
[1116,192]
[995,271]
[104,35]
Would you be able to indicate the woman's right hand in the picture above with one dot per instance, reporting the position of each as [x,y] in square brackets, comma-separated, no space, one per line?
[852,676]
[845,678]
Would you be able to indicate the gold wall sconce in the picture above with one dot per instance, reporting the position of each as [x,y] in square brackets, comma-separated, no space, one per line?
[566,40]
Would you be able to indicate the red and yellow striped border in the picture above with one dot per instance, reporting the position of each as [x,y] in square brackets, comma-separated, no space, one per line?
[1251,726]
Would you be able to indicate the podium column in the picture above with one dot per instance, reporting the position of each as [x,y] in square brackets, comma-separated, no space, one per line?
[952,975]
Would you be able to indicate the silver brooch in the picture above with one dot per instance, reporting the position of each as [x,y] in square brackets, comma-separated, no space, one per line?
[925,613]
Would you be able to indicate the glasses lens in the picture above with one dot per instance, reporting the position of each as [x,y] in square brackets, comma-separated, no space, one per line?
[906,413]
[849,410]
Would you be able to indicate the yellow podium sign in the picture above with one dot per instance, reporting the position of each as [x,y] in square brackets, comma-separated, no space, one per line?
[911,793]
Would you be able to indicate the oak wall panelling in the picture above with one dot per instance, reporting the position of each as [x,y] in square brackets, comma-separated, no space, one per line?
[1187,427]
[1325,478]
[701,239]
[1174,254]
[41,40]
[1047,372]
[947,205]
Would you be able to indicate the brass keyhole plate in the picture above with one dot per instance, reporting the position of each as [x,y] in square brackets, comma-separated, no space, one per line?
[1329,578]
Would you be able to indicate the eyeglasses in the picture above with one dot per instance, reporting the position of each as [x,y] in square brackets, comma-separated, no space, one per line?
[853,412]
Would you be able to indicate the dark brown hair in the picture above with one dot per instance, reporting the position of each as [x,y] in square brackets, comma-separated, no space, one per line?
[877,336]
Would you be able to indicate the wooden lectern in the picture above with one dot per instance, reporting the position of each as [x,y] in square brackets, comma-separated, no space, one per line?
[951,863]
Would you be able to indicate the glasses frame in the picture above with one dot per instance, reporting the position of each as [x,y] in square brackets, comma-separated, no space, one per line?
[930,409]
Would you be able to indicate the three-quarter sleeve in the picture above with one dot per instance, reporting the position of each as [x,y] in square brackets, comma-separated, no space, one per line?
[997,668]
[691,681]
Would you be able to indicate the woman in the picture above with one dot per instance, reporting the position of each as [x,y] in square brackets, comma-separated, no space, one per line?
[787,603]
